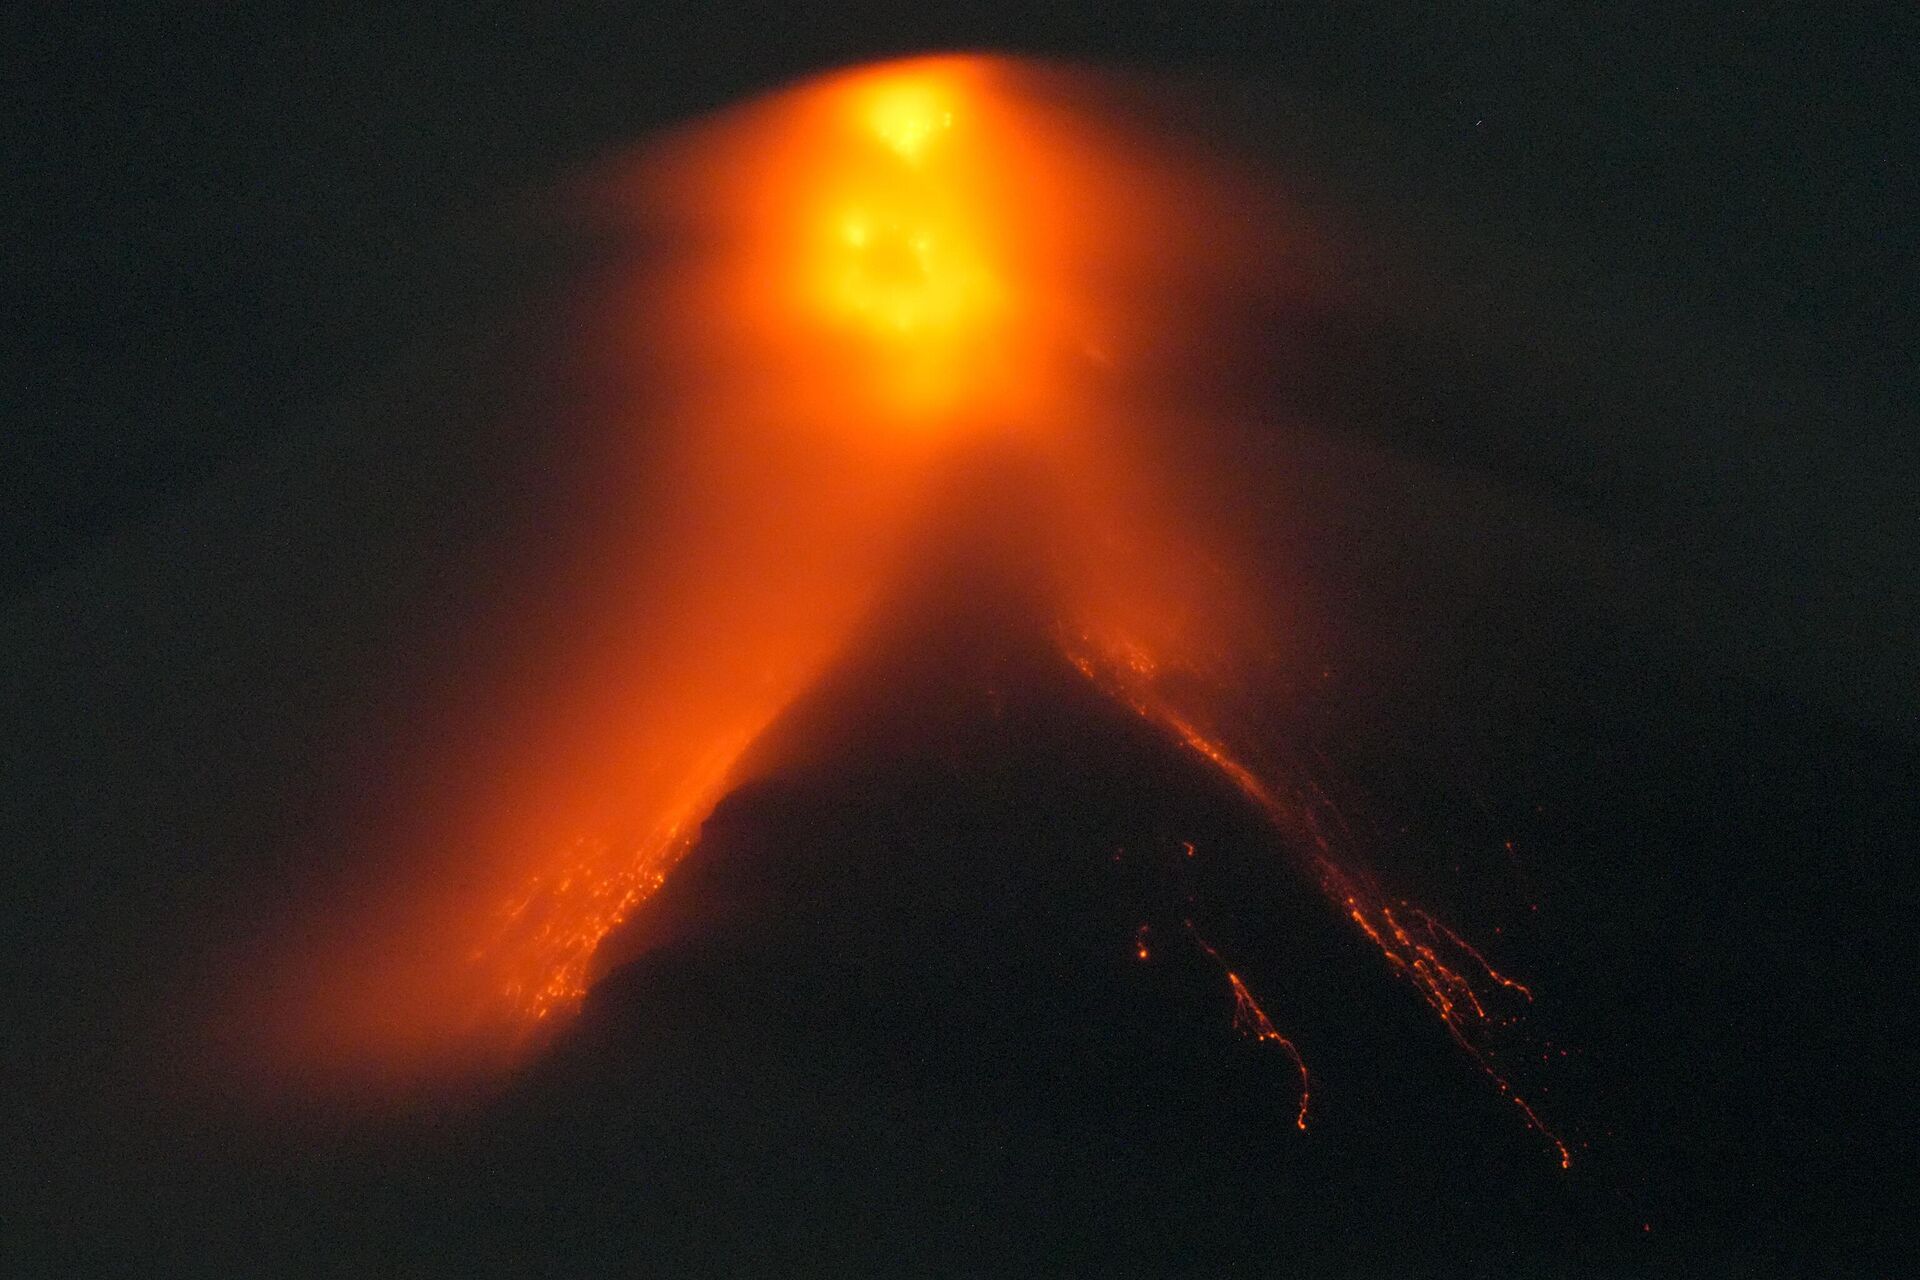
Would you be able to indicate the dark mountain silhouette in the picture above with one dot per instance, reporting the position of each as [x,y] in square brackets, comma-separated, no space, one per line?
[889,1017]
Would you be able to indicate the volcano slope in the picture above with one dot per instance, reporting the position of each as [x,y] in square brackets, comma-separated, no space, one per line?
[942,992]
[889,1015]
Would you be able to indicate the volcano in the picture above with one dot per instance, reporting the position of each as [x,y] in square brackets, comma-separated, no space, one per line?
[942,992]
[974,667]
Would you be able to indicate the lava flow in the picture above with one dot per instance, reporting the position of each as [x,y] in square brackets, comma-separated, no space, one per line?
[834,293]
[1477,1003]
[1251,1021]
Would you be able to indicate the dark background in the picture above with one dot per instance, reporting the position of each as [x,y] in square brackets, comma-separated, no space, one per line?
[1678,236]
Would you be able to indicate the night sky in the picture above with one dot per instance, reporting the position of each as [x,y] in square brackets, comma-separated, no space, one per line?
[1605,488]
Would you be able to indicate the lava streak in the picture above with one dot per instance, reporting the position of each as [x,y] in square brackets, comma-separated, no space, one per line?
[551,931]
[1251,1021]
[1477,1004]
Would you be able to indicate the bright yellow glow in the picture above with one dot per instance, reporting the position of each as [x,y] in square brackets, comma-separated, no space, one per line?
[909,277]
[909,112]
[906,263]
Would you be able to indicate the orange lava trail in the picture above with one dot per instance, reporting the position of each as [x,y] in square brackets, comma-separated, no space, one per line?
[550,932]
[1452,976]
[1251,1021]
